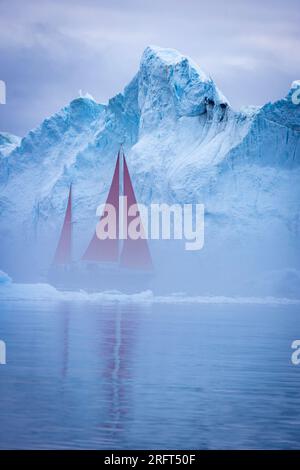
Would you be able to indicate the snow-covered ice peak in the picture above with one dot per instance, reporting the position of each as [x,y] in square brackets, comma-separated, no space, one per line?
[172,86]
[8,142]
[285,112]
[6,138]
[171,57]
[86,95]
[295,84]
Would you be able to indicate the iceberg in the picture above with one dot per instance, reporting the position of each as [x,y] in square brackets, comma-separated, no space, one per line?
[4,278]
[184,144]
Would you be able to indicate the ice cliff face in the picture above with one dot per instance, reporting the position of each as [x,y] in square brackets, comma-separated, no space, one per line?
[184,143]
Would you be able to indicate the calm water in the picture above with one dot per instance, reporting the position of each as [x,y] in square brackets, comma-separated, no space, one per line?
[209,376]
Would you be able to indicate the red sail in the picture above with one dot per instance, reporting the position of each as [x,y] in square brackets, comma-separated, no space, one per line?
[135,253]
[108,249]
[63,254]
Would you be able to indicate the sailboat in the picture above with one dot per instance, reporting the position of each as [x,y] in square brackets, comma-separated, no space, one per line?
[110,263]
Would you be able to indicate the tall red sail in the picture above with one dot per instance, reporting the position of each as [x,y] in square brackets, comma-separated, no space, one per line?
[63,254]
[135,253]
[108,249]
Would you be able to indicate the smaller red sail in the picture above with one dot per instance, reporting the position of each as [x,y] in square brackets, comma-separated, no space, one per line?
[107,250]
[135,253]
[63,254]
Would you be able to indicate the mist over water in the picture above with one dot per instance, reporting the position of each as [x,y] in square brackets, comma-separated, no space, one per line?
[263,262]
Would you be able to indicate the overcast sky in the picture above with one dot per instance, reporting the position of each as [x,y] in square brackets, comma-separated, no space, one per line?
[49,49]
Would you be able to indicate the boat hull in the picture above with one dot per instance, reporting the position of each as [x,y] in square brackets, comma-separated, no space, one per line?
[99,277]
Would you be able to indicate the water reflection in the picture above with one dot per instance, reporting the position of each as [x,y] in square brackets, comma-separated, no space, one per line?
[65,338]
[91,376]
[118,344]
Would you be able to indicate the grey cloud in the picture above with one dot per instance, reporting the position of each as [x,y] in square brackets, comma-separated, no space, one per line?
[49,50]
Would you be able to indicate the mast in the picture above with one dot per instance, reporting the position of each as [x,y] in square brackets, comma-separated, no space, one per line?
[108,249]
[63,254]
[135,253]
